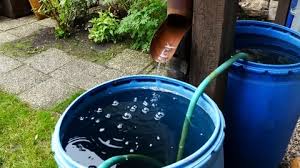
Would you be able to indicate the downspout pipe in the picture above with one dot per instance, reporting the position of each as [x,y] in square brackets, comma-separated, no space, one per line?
[167,38]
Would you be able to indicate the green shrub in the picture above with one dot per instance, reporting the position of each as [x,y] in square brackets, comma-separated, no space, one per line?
[144,18]
[65,12]
[104,28]
[118,4]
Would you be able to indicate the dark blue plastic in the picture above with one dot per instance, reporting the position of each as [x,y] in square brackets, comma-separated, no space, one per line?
[210,155]
[262,105]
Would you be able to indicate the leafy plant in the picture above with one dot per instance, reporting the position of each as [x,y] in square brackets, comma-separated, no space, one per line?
[144,18]
[104,28]
[65,12]
[118,7]
[121,4]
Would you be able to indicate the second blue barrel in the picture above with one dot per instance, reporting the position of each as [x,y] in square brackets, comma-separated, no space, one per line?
[262,101]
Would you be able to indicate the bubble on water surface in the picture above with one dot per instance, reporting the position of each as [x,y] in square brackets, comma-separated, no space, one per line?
[92,118]
[145,103]
[127,116]
[133,108]
[99,110]
[131,150]
[108,115]
[81,118]
[135,99]
[115,103]
[158,138]
[97,121]
[120,126]
[154,97]
[126,143]
[145,110]
[159,115]
[101,129]
[150,145]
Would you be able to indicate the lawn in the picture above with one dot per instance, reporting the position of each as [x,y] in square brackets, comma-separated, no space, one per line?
[26,133]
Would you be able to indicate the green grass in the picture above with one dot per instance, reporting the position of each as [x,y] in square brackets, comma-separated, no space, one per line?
[26,133]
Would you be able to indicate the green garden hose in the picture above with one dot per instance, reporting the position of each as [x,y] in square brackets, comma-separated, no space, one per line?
[196,97]
[123,158]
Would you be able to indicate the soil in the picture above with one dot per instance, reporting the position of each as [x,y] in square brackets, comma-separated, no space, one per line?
[46,37]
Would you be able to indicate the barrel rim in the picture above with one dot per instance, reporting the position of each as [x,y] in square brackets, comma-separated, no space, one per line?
[268,68]
[211,142]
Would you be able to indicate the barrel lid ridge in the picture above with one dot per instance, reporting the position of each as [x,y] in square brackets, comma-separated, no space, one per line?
[260,68]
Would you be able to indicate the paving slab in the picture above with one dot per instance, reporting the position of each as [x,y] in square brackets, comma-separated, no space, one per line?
[48,61]
[48,22]
[28,19]
[75,78]
[162,72]
[6,23]
[7,37]
[130,61]
[109,74]
[85,67]
[26,30]
[47,93]
[20,79]
[7,64]
[149,68]
[3,18]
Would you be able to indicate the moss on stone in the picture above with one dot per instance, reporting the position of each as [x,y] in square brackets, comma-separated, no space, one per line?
[77,46]
[21,48]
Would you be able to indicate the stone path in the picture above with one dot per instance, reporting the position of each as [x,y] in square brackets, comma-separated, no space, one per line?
[12,29]
[51,76]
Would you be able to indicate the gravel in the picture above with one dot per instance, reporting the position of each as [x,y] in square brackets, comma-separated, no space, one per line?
[293,149]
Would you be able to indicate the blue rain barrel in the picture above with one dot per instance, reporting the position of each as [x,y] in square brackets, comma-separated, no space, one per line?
[92,124]
[262,105]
